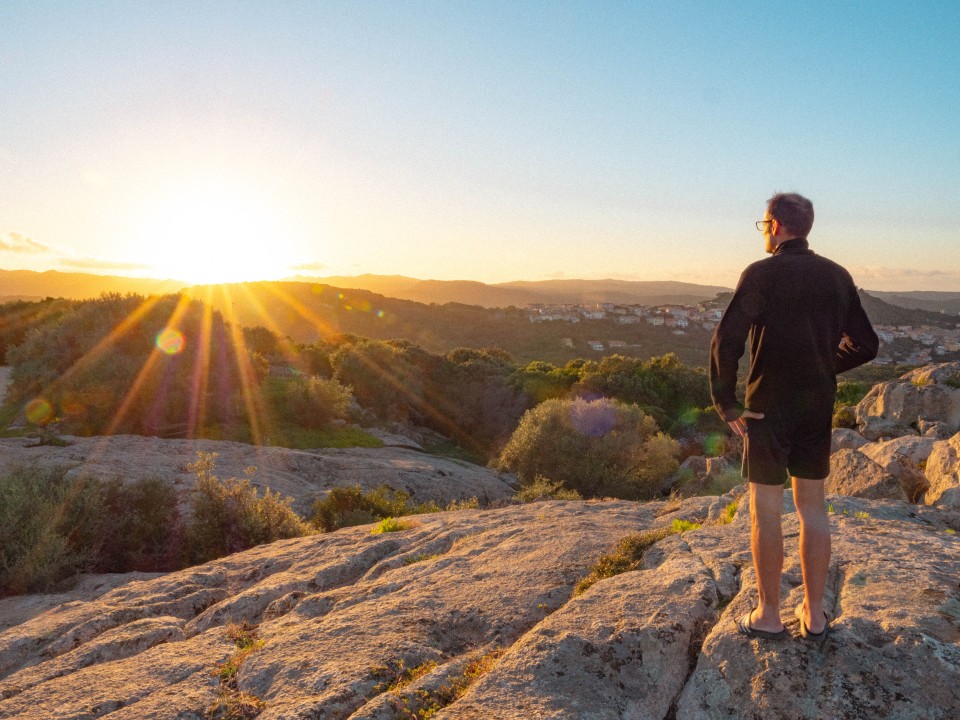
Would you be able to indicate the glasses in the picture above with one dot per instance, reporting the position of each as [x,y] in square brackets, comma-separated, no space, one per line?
[761,223]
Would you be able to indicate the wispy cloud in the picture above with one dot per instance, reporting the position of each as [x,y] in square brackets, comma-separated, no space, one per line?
[306,267]
[17,243]
[875,277]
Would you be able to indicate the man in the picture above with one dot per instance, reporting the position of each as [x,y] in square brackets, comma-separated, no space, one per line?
[805,323]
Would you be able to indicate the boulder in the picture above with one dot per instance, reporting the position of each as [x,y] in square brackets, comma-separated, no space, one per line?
[846,438]
[853,473]
[943,474]
[897,407]
[904,458]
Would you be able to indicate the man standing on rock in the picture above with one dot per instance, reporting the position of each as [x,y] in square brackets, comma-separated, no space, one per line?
[805,323]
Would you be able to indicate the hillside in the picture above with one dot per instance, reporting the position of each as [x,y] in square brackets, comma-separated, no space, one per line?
[882,312]
[932,301]
[308,312]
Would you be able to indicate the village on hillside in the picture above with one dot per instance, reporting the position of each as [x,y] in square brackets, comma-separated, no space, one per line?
[899,344]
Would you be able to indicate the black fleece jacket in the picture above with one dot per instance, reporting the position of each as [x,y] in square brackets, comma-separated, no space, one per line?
[805,323]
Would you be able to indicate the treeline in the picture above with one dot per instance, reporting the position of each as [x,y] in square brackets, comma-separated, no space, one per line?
[172,366]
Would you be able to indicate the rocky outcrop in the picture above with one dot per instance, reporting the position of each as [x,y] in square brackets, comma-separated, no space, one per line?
[854,473]
[928,397]
[303,475]
[943,473]
[844,438]
[472,614]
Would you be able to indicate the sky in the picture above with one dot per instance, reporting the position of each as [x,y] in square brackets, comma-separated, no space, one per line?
[490,141]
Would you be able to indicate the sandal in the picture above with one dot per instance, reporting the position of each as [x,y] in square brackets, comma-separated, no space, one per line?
[744,628]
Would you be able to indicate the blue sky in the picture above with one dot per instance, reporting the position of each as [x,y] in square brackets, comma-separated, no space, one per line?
[485,140]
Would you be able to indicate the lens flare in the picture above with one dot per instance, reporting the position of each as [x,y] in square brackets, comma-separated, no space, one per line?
[713,444]
[379,313]
[39,411]
[593,419]
[170,341]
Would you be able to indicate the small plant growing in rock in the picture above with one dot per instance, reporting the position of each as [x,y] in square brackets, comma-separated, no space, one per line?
[861,515]
[626,557]
[396,675]
[953,381]
[542,488]
[231,702]
[389,525]
[424,704]
[418,558]
[682,526]
[729,512]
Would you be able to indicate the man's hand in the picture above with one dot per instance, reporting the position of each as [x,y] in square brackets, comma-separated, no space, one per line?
[739,426]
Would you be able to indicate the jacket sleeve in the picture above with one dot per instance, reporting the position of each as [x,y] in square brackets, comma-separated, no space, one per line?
[859,343]
[728,343]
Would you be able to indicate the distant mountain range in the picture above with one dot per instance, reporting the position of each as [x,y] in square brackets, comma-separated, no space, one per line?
[523,293]
[30,285]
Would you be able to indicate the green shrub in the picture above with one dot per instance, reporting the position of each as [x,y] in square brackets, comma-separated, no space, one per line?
[349,506]
[103,368]
[52,527]
[34,548]
[389,525]
[598,448]
[851,393]
[145,531]
[229,515]
[545,489]
[682,526]
[845,416]
[312,402]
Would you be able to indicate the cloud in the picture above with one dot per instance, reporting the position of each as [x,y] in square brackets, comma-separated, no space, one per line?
[95,264]
[309,266]
[17,243]
[878,277]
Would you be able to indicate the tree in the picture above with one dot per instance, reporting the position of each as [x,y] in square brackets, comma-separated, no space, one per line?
[600,447]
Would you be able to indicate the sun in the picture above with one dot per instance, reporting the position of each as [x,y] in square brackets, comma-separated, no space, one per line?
[208,234]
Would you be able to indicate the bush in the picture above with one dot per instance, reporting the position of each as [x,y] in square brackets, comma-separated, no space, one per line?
[545,489]
[145,531]
[312,402]
[845,417]
[229,515]
[52,528]
[349,506]
[126,364]
[35,548]
[598,448]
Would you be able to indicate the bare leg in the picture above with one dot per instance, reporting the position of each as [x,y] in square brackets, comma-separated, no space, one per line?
[814,549]
[766,542]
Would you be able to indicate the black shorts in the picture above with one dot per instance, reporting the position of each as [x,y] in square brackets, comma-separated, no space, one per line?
[780,446]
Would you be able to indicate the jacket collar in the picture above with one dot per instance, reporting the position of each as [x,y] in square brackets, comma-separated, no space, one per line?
[797,245]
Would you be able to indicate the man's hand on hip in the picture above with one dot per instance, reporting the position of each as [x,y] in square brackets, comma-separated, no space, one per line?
[739,426]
